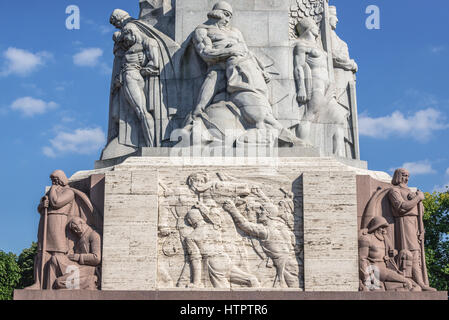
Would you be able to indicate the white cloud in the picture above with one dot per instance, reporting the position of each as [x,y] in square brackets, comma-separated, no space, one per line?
[29,106]
[88,57]
[447,171]
[418,126]
[80,141]
[418,168]
[21,62]
[437,49]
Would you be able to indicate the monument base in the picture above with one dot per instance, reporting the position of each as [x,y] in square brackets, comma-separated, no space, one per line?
[222,295]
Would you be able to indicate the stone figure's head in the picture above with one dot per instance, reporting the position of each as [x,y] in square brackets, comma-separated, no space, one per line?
[222,11]
[119,18]
[198,182]
[333,18]
[194,217]
[378,226]
[77,225]
[267,211]
[58,178]
[401,176]
[131,35]
[307,25]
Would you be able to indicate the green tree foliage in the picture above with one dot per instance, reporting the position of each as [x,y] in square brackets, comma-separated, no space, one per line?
[26,264]
[436,220]
[9,275]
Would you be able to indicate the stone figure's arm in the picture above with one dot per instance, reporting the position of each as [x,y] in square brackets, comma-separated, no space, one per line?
[363,256]
[94,257]
[252,229]
[401,205]
[299,56]
[59,201]
[345,64]
[195,261]
[204,47]
[152,67]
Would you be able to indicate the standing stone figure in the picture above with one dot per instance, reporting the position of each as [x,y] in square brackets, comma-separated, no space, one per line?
[78,270]
[314,87]
[139,113]
[137,57]
[377,264]
[59,205]
[204,244]
[235,72]
[345,69]
[408,212]
[277,241]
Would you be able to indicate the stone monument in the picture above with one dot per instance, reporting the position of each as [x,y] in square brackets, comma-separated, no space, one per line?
[232,168]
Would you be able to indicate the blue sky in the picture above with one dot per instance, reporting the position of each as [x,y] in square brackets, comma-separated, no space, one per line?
[55,82]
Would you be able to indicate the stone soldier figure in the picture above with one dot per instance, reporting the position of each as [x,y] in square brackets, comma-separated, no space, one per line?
[376,259]
[277,241]
[85,258]
[61,203]
[408,211]
[204,244]
[233,69]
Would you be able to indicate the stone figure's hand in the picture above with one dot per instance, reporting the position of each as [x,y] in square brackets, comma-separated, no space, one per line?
[45,202]
[301,97]
[421,236]
[148,71]
[74,257]
[229,205]
[197,113]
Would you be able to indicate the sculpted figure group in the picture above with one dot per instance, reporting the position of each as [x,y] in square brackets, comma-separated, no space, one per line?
[69,250]
[233,106]
[392,253]
[215,229]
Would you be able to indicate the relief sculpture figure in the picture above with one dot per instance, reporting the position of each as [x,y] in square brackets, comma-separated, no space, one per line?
[204,244]
[276,239]
[408,211]
[314,87]
[57,208]
[234,75]
[345,70]
[78,270]
[377,263]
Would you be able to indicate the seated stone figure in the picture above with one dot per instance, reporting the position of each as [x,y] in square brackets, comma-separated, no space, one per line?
[377,264]
[78,270]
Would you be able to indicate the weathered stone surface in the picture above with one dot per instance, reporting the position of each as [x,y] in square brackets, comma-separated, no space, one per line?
[144,196]
[130,231]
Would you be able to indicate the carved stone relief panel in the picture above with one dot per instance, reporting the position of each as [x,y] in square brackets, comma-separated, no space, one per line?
[221,230]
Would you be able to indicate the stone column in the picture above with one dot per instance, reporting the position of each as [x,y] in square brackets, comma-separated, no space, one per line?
[330,231]
[130,230]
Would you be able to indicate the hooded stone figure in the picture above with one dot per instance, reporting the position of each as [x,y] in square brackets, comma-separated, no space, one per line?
[59,205]
[140,107]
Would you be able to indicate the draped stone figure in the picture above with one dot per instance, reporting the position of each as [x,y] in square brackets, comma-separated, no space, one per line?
[398,252]
[316,91]
[141,105]
[57,208]
[345,70]
[235,83]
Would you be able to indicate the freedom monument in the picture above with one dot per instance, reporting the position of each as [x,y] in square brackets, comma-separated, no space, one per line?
[232,169]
